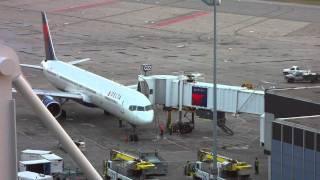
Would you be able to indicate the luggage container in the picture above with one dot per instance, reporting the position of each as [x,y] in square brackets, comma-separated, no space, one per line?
[27,175]
[56,163]
[41,166]
[29,154]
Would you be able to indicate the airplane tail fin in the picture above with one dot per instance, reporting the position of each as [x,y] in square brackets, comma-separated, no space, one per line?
[50,54]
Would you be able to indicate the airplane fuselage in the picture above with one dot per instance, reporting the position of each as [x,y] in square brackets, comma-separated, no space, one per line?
[119,100]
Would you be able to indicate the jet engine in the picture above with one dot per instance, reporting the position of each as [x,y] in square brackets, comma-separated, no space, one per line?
[52,105]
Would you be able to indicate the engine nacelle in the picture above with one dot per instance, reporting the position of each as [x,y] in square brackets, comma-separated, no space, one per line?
[52,105]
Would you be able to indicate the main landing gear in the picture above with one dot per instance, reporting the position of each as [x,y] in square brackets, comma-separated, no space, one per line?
[133,137]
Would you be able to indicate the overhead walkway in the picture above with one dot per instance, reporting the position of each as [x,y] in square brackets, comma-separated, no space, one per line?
[184,92]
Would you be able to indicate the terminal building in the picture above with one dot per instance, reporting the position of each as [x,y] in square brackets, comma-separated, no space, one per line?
[292,138]
[295,148]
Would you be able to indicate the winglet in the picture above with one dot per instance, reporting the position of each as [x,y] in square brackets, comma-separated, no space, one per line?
[50,54]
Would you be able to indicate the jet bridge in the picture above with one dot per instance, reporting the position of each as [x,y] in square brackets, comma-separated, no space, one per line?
[184,92]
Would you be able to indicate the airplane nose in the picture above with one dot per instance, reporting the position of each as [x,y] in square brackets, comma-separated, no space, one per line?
[146,117]
[149,117]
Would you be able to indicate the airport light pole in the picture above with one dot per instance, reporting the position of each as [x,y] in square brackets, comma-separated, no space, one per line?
[215,116]
[214,3]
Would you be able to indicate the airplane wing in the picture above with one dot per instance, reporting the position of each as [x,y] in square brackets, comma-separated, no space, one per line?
[53,93]
[32,66]
[59,94]
[41,68]
[79,61]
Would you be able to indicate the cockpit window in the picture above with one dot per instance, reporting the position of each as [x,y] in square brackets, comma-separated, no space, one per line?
[132,108]
[148,108]
[140,108]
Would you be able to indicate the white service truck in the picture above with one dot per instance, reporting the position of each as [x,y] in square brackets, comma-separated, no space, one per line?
[302,77]
[294,69]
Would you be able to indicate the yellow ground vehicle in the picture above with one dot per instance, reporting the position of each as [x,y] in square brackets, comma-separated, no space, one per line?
[227,168]
[138,163]
[125,167]
[204,155]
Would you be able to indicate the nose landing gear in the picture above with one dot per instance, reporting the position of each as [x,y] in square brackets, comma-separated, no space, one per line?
[134,136]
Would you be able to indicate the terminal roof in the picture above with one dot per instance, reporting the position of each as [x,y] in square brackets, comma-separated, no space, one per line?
[309,94]
[311,123]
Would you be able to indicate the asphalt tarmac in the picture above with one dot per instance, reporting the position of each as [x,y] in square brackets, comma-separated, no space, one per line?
[256,40]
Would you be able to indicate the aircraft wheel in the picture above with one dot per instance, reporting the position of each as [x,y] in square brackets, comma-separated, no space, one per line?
[313,80]
[290,80]
[133,138]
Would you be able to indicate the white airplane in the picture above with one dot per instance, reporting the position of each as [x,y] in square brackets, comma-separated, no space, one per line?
[89,89]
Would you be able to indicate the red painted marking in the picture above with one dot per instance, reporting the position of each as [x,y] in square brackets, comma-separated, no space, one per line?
[45,29]
[180,19]
[84,6]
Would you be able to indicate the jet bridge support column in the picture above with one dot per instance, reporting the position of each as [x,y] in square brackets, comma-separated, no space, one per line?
[180,100]
[192,119]
[169,121]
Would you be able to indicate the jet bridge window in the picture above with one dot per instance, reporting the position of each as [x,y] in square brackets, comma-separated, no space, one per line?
[132,108]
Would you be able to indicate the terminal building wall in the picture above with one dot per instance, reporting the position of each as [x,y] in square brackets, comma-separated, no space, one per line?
[277,106]
[295,153]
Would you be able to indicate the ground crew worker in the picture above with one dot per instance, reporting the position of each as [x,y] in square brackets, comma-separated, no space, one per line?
[256,166]
[161,127]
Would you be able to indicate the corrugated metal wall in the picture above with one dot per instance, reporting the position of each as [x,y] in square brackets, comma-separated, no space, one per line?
[295,153]
[276,160]
[317,165]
